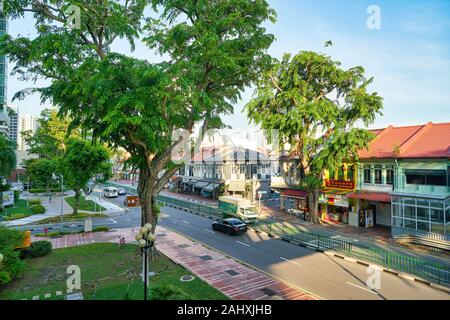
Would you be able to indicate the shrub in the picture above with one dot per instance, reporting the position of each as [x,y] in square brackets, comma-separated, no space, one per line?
[12,266]
[16,195]
[38,249]
[168,292]
[99,229]
[35,201]
[37,209]
[16,216]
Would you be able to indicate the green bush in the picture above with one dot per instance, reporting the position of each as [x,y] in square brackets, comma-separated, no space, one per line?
[38,249]
[99,229]
[43,190]
[168,292]
[16,216]
[52,234]
[37,209]
[16,195]
[35,201]
[12,266]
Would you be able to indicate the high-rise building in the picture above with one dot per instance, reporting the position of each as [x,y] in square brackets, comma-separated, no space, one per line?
[13,124]
[4,117]
[27,122]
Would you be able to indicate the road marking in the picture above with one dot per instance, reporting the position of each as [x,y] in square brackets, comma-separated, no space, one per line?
[114,221]
[244,244]
[371,291]
[210,231]
[185,222]
[287,260]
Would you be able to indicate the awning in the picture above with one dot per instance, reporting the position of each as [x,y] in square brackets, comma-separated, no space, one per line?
[334,192]
[186,180]
[292,193]
[371,196]
[237,186]
[211,187]
[192,182]
[201,184]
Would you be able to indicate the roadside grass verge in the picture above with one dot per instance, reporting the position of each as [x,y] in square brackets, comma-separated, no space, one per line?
[107,273]
[85,205]
[20,207]
[71,217]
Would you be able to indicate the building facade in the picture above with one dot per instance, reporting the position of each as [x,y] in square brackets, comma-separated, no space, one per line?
[27,122]
[228,170]
[13,125]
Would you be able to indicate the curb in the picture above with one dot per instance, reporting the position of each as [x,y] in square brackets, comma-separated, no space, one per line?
[364,263]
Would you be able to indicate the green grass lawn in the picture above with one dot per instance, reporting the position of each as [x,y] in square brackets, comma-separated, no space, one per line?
[20,207]
[107,273]
[71,217]
[85,205]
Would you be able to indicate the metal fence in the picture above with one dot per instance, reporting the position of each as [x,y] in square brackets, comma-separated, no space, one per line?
[394,261]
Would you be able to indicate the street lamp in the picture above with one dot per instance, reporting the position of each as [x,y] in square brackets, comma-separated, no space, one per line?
[61,179]
[145,239]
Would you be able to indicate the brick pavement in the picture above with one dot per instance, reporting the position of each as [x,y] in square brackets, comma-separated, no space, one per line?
[233,278]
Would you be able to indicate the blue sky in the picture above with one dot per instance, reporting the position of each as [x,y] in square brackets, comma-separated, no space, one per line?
[409,57]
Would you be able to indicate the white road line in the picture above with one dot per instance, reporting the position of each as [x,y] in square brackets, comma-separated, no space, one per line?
[287,260]
[244,244]
[185,222]
[114,221]
[210,231]
[371,291]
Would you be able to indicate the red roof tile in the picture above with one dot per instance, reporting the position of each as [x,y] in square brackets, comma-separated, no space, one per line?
[422,141]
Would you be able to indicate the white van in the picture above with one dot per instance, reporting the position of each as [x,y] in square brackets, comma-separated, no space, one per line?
[110,192]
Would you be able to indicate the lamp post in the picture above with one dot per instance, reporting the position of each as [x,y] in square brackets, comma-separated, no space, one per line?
[61,180]
[145,239]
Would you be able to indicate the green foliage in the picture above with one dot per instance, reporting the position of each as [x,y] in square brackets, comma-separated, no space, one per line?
[7,157]
[37,249]
[39,190]
[16,216]
[35,201]
[82,161]
[12,266]
[40,171]
[16,195]
[167,292]
[101,229]
[37,209]
[212,51]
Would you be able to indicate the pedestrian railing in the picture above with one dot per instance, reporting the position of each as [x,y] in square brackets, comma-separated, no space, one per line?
[210,212]
[422,268]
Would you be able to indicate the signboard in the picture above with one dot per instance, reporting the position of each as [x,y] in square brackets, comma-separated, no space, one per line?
[340,184]
[8,198]
[132,201]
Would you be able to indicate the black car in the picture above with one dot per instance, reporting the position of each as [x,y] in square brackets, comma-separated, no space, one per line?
[230,226]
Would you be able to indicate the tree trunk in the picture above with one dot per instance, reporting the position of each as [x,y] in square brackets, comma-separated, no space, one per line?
[77,202]
[313,205]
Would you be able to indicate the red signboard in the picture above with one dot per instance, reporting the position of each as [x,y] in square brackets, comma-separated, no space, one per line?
[340,184]
[132,201]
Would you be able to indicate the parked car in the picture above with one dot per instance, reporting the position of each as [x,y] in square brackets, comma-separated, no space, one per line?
[230,226]
[110,192]
[122,192]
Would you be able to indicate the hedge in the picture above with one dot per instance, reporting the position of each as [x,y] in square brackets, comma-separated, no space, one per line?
[38,249]
[37,209]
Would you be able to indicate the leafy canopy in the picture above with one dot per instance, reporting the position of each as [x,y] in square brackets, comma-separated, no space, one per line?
[315,104]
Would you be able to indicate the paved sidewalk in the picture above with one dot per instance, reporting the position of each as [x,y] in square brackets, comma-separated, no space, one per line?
[236,280]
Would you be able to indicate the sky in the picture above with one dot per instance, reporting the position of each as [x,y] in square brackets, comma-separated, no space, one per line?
[408,55]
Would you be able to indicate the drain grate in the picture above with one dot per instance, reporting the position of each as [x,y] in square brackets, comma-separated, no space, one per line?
[205,258]
[232,273]
[268,292]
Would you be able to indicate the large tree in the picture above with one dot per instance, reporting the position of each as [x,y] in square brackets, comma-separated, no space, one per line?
[82,161]
[315,104]
[211,51]
[7,164]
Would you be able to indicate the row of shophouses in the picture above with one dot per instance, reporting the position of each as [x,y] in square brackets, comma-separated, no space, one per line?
[401,181]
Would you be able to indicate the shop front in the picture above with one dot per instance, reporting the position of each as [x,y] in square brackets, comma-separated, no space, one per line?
[334,206]
[293,201]
[368,209]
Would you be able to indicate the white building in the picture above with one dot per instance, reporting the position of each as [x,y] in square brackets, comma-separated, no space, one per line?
[27,122]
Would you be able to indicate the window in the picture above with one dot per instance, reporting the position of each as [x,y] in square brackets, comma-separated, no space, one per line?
[423,214]
[378,175]
[426,177]
[437,215]
[423,226]
[410,212]
[390,176]
[350,173]
[366,174]
[341,173]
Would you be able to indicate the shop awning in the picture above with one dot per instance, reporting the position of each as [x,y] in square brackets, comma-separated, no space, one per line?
[334,192]
[192,182]
[237,186]
[371,196]
[211,187]
[201,184]
[292,193]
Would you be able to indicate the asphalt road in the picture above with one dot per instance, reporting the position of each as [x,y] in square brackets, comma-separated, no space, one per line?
[325,276]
